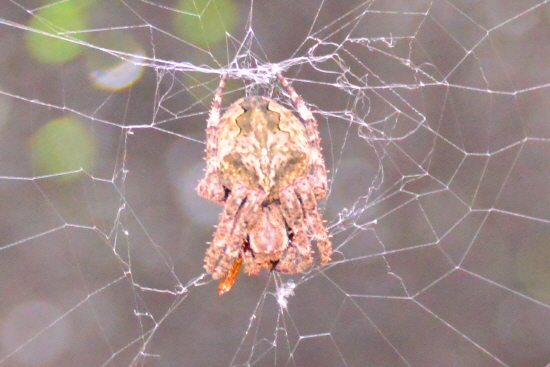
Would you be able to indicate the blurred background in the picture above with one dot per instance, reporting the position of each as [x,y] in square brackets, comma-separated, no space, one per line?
[434,126]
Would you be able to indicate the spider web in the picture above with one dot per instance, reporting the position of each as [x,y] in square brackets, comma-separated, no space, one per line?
[435,131]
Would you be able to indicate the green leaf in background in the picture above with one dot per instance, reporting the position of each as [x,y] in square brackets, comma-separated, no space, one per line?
[203,22]
[57,19]
[62,145]
[532,267]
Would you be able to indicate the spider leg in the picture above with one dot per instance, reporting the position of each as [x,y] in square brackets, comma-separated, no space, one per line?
[319,179]
[232,230]
[297,256]
[250,265]
[314,219]
[210,187]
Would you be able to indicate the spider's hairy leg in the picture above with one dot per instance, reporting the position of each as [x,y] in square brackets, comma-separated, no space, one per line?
[314,219]
[319,182]
[210,187]
[297,256]
[232,230]
[250,265]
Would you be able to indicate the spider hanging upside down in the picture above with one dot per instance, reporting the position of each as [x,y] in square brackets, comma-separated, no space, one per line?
[265,166]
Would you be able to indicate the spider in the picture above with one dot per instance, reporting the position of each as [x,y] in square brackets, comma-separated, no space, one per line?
[265,166]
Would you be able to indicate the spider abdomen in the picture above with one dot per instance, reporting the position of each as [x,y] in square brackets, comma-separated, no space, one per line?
[261,151]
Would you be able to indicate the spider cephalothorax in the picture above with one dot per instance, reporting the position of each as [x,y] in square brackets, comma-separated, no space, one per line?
[265,166]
